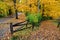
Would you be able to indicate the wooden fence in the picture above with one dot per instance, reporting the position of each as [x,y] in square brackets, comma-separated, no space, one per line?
[25,23]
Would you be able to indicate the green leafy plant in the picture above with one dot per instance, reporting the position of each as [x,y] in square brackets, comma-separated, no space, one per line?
[39,16]
[46,18]
[34,19]
[27,13]
[14,38]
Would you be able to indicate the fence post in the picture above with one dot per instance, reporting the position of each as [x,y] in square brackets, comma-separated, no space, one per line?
[11,28]
[26,24]
[32,27]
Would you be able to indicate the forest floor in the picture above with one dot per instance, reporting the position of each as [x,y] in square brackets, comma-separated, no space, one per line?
[47,31]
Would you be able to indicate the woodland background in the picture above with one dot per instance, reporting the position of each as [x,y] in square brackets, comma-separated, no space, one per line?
[51,7]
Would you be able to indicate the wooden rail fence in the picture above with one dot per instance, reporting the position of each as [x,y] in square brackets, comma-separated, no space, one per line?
[18,24]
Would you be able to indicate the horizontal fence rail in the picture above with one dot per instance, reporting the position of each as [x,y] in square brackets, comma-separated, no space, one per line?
[15,25]
[21,24]
[4,23]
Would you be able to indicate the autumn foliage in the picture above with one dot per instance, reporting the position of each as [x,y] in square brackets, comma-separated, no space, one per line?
[51,7]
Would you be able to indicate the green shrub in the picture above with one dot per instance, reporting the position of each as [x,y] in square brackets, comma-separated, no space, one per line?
[34,18]
[1,15]
[46,18]
[27,13]
[39,16]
